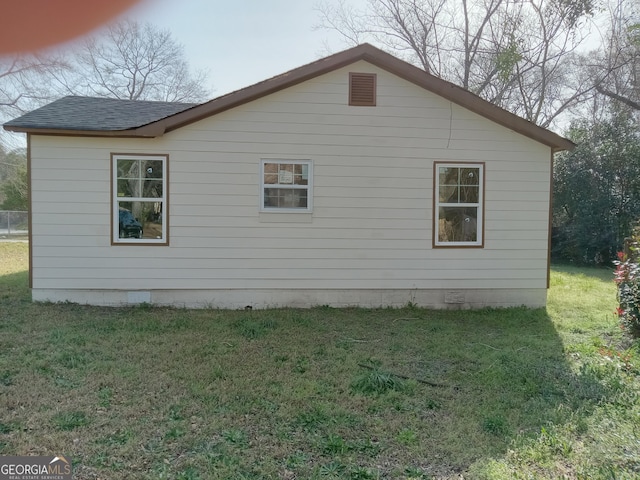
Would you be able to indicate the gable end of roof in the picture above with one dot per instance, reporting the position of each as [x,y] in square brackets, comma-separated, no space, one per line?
[387,62]
[152,119]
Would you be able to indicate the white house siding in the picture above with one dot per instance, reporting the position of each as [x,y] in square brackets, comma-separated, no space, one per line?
[367,242]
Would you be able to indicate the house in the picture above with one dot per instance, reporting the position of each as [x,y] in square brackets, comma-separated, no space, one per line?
[357,179]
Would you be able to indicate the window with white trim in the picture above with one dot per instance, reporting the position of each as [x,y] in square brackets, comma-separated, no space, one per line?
[139,199]
[286,185]
[458,212]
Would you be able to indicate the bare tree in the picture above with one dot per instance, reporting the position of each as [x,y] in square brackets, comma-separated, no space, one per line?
[615,68]
[544,75]
[515,53]
[24,82]
[137,62]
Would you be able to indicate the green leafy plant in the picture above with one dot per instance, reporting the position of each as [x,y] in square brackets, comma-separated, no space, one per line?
[627,278]
[335,445]
[362,473]
[70,420]
[332,470]
[377,382]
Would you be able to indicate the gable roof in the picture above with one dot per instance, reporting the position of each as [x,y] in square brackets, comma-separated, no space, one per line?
[154,120]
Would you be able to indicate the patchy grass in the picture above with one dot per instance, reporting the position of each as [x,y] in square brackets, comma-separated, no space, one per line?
[156,393]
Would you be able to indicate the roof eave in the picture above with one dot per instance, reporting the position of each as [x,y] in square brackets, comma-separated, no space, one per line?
[468,100]
[146,131]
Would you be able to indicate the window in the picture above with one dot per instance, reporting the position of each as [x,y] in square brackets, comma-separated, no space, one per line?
[286,185]
[139,199]
[458,202]
[362,89]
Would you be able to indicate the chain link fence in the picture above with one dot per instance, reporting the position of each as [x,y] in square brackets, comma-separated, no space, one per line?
[13,223]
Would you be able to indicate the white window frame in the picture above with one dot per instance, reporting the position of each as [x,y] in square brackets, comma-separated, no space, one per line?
[115,200]
[479,242]
[308,187]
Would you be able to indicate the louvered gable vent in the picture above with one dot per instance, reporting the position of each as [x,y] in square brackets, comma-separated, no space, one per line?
[362,89]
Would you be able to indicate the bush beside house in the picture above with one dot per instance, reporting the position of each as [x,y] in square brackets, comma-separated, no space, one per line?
[627,278]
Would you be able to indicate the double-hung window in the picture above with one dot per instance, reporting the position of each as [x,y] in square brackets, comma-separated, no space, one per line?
[140,204]
[286,185]
[458,204]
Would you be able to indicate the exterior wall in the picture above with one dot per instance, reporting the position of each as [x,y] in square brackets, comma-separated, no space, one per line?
[368,240]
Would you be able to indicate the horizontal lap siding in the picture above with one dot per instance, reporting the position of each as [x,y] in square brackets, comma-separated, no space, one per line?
[372,217]
[219,253]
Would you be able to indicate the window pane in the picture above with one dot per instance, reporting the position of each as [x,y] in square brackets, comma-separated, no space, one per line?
[459,185]
[470,176]
[152,168]
[152,189]
[300,174]
[128,168]
[285,174]
[448,175]
[299,179]
[141,189]
[285,198]
[270,178]
[469,194]
[458,224]
[140,220]
[448,194]
[128,188]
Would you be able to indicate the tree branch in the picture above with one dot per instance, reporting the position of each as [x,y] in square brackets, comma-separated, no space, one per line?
[620,98]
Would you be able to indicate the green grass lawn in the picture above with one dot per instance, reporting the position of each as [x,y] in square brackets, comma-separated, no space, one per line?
[156,393]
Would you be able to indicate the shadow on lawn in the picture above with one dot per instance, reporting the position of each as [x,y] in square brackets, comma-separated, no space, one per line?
[510,384]
[14,287]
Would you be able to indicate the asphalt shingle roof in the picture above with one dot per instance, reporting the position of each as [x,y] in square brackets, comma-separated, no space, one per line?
[99,114]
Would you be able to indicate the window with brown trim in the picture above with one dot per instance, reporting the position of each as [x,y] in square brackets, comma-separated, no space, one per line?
[139,199]
[458,204]
[362,89]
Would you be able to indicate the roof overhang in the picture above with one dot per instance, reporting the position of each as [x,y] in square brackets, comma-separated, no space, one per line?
[365,52]
[146,131]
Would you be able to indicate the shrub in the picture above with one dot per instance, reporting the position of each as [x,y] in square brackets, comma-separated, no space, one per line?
[596,190]
[627,278]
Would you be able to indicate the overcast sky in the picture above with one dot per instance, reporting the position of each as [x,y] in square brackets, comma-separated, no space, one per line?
[242,42]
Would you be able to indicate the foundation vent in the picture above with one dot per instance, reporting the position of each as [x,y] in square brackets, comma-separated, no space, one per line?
[454,297]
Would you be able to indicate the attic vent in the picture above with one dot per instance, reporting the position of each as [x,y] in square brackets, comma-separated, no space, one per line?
[362,89]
